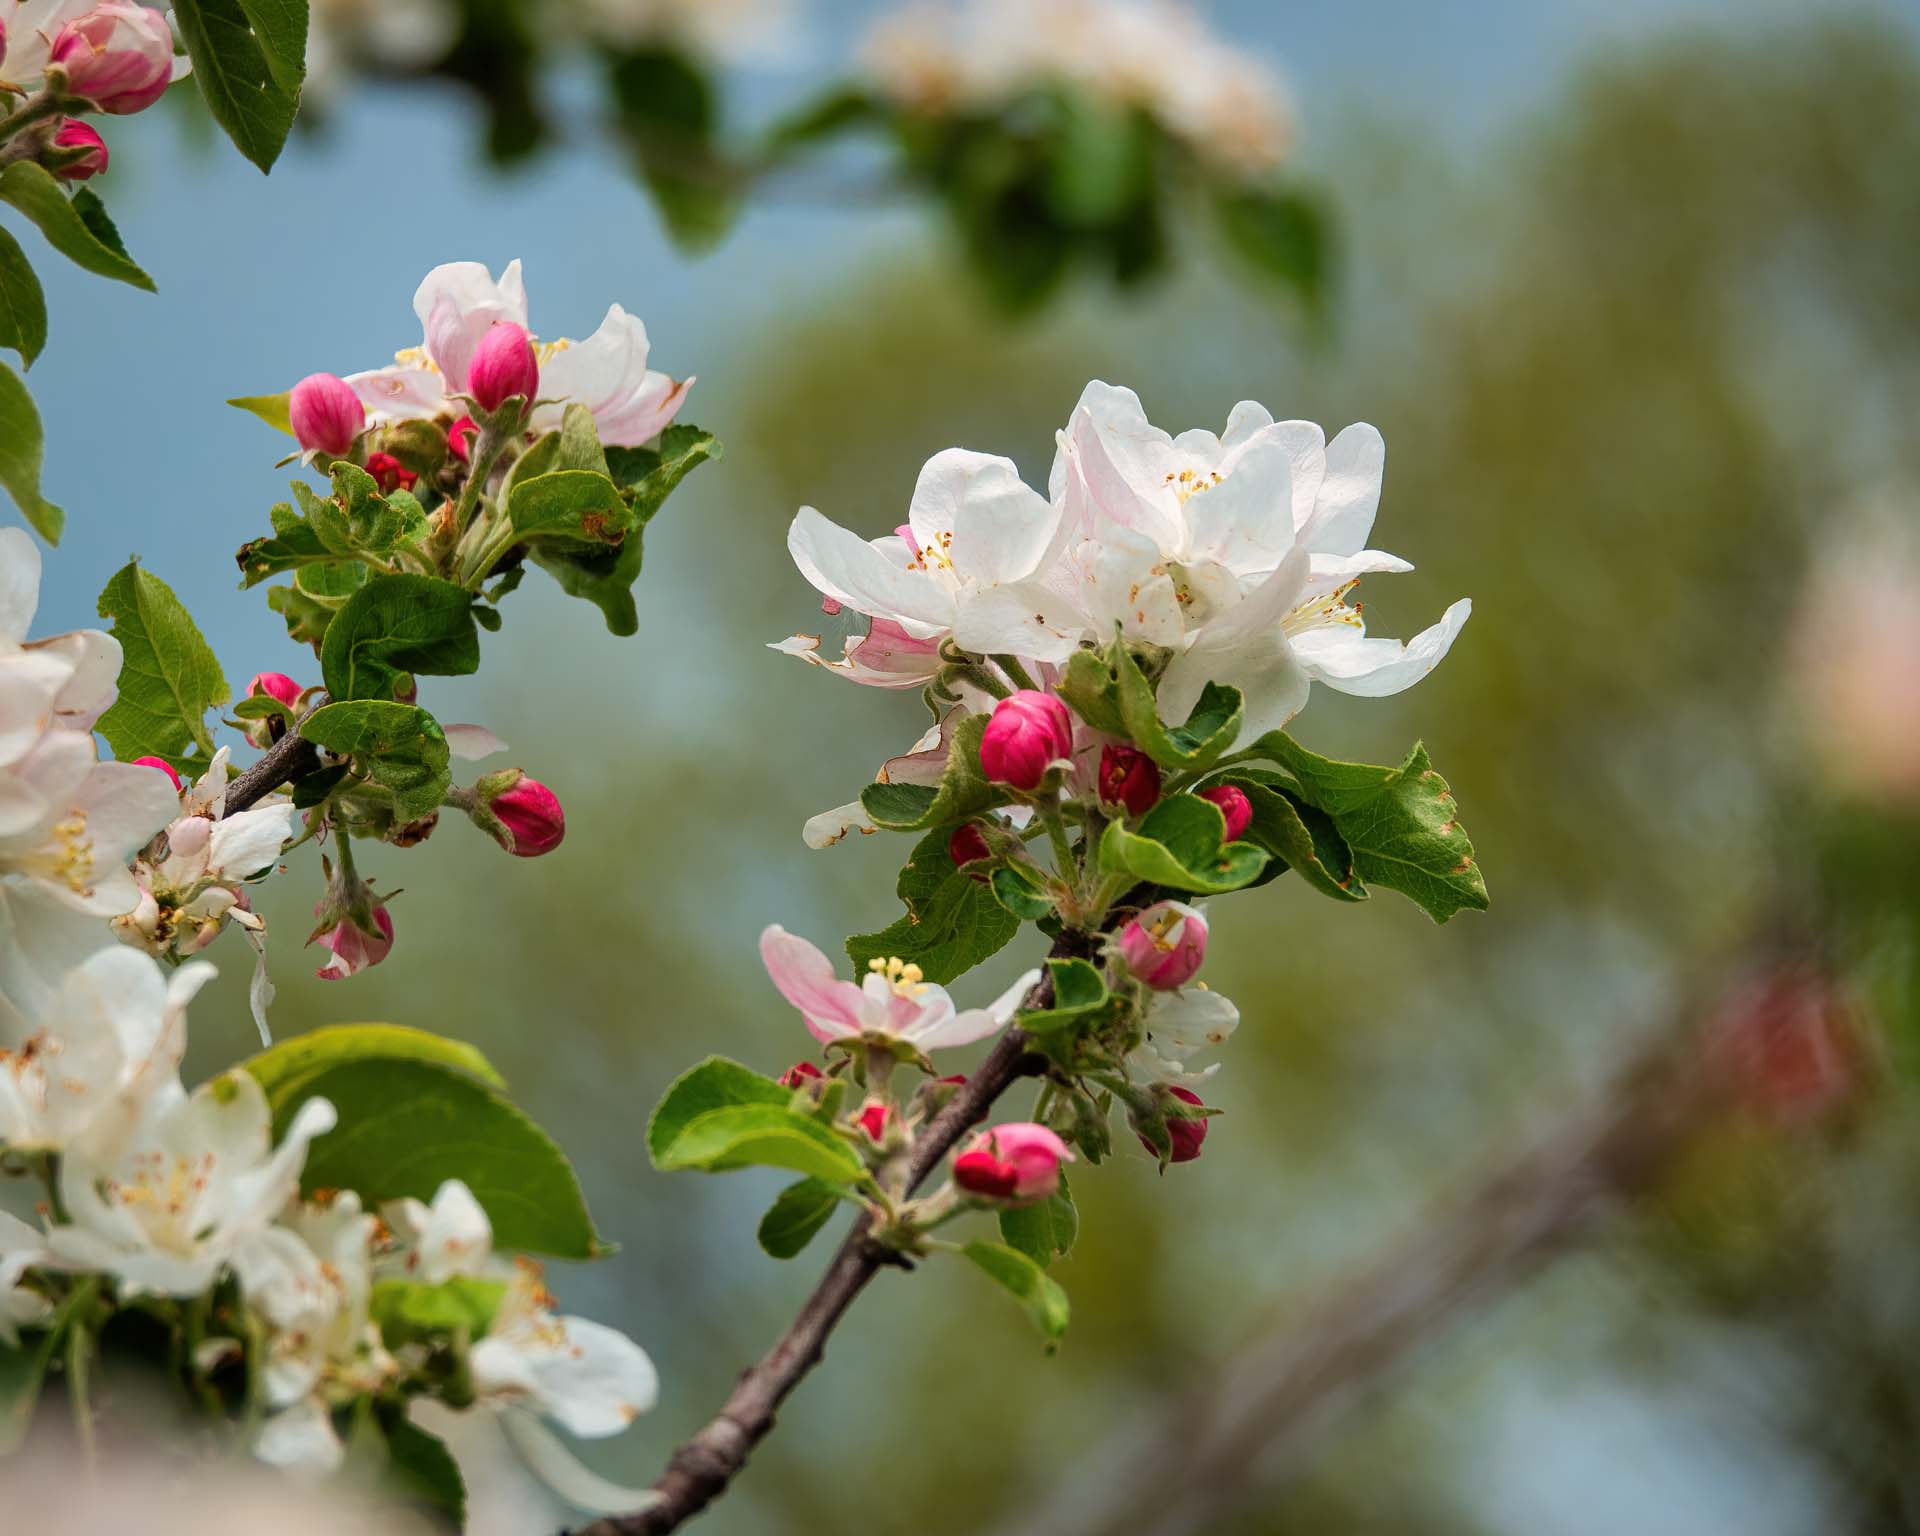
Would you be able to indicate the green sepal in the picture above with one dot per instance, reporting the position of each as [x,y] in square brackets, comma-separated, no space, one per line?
[274,410]
[1081,1002]
[1022,889]
[409,1312]
[1114,695]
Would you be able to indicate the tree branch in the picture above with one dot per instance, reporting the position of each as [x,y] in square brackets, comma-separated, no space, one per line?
[700,1470]
[291,757]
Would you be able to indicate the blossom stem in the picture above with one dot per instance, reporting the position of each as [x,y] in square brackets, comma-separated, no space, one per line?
[42,106]
[1067,864]
[701,1469]
[1016,673]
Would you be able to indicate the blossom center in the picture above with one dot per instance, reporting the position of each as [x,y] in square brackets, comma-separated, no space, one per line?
[73,861]
[1189,483]
[903,977]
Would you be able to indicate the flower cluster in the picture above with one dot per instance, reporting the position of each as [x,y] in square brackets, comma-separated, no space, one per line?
[67,57]
[939,57]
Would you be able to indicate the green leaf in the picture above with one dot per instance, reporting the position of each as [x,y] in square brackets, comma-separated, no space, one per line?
[1091,690]
[410,1310]
[373,524]
[1299,836]
[652,474]
[421,1468]
[765,1136]
[93,213]
[272,409]
[1045,1229]
[1021,889]
[715,1083]
[797,1216]
[952,921]
[664,105]
[1080,1000]
[398,747]
[964,791]
[1102,165]
[413,1115]
[23,307]
[399,624]
[32,189]
[580,505]
[1209,731]
[1400,823]
[1281,236]
[832,114]
[1027,1283]
[20,445]
[247,59]
[168,680]
[1179,846]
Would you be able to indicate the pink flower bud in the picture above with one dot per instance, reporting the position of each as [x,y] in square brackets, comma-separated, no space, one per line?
[800,1074]
[1028,732]
[1128,777]
[503,366]
[325,413]
[117,56]
[1019,1162]
[1165,944]
[460,437]
[165,767]
[968,846]
[275,685]
[873,1119]
[74,134]
[389,473]
[354,949]
[531,812]
[1234,806]
[1186,1135]
[3,39]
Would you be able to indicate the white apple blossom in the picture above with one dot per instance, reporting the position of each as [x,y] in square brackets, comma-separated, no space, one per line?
[457,303]
[1157,55]
[102,1053]
[891,1002]
[449,1237]
[1177,1027]
[64,680]
[194,1188]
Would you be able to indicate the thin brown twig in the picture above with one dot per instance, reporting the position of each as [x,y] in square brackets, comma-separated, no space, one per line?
[700,1470]
[291,757]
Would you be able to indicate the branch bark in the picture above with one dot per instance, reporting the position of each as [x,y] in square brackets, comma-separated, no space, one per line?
[700,1470]
[1186,1464]
[288,758]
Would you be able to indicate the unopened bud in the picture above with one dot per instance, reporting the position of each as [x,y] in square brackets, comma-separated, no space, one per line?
[1029,732]
[1186,1133]
[325,413]
[800,1074]
[117,56]
[165,767]
[968,846]
[389,473]
[1129,778]
[1165,944]
[1235,807]
[874,1117]
[531,813]
[76,135]
[460,437]
[503,366]
[1018,1162]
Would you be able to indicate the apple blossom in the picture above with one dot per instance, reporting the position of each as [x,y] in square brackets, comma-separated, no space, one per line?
[389,474]
[1165,945]
[325,413]
[800,1074]
[117,56]
[449,1237]
[459,303]
[103,1047]
[62,681]
[874,1118]
[1185,1132]
[891,1003]
[165,1206]
[1018,1162]
[353,948]
[1128,778]
[1177,1027]
[531,813]
[72,134]
[885,657]
[972,527]
[68,824]
[1028,734]
[1236,810]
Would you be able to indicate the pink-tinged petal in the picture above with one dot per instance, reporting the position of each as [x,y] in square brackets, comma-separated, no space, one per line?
[846,567]
[1343,657]
[998,527]
[885,657]
[471,743]
[805,978]
[457,304]
[399,394]
[19,586]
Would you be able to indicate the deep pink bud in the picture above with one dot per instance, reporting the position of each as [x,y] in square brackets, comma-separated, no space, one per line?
[1165,944]
[1128,777]
[460,437]
[353,948]
[1234,806]
[117,56]
[325,413]
[968,846]
[389,473]
[1028,731]
[275,685]
[74,134]
[503,366]
[799,1074]
[1186,1135]
[1020,1161]
[531,812]
[3,39]
[873,1119]
[165,767]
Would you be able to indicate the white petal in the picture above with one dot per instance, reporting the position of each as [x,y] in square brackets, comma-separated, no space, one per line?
[1344,510]
[829,827]
[1246,521]
[300,1439]
[247,842]
[847,568]
[1001,527]
[1024,619]
[471,743]
[562,1472]
[400,394]
[1343,657]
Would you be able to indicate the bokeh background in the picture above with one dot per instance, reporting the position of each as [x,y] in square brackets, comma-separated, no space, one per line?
[1632,292]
